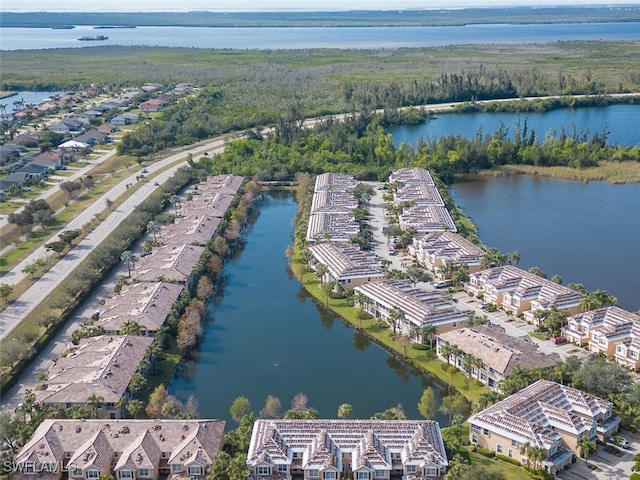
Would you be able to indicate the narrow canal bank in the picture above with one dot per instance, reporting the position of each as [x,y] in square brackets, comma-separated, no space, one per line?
[265,335]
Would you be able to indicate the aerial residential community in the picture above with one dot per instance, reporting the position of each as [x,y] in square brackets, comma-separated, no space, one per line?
[128,209]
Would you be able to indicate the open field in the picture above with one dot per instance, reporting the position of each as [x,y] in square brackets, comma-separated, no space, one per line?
[613,172]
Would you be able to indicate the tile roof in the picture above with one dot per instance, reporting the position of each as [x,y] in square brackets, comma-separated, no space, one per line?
[95,452]
[427,218]
[347,261]
[171,262]
[420,194]
[100,365]
[535,412]
[147,304]
[498,350]
[193,227]
[406,175]
[340,227]
[369,441]
[143,452]
[335,182]
[449,247]
[420,307]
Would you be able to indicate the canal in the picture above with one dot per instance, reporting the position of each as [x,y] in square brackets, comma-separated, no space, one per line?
[265,336]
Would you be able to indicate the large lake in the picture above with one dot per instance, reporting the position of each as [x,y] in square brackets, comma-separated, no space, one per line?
[317,37]
[264,335]
[586,233]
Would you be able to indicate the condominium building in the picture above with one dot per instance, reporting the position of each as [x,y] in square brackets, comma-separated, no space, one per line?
[438,251]
[544,415]
[517,291]
[488,354]
[341,449]
[101,367]
[126,449]
[347,264]
[406,307]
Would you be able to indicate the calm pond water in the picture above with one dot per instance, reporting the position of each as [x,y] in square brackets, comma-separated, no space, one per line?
[586,232]
[317,37]
[264,335]
[619,120]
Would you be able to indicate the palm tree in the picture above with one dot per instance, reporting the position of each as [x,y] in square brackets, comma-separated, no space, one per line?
[587,447]
[447,350]
[121,405]
[525,450]
[428,331]
[468,362]
[130,258]
[321,271]
[537,455]
[161,335]
[153,227]
[396,315]
[134,407]
[130,327]
[175,199]
[93,403]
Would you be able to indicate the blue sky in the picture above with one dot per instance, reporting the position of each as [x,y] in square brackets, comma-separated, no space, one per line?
[261,5]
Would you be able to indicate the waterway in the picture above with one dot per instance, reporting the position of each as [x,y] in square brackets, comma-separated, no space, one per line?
[265,336]
[268,38]
[585,232]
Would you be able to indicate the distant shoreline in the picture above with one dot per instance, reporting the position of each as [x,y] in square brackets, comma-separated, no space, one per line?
[365,18]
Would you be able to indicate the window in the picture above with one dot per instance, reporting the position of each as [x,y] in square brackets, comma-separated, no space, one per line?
[143,472]
[195,470]
[67,454]
[93,473]
[510,453]
[314,473]
[176,467]
[514,443]
[77,472]
[164,454]
[126,474]
[499,448]
[524,460]
[431,472]
[381,474]
[411,469]
[474,438]
[485,432]
[283,468]
[363,475]
[330,475]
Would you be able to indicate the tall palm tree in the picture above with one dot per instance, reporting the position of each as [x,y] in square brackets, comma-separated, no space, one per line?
[321,271]
[175,199]
[161,335]
[447,350]
[154,228]
[128,257]
[428,331]
[93,402]
[396,315]
[130,327]
[587,447]
[468,362]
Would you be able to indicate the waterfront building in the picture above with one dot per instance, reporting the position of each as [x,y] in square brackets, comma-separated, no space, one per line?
[438,251]
[416,307]
[100,366]
[126,449]
[544,415]
[517,291]
[340,449]
[488,354]
[346,264]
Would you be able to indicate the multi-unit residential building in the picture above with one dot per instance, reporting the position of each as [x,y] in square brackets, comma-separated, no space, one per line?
[628,351]
[347,264]
[418,194]
[427,218]
[169,263]
[336,182]
[192,227]
[335,227]
[408,175]
[439,250]
[147,304]
[328,201]
[126,449]
[341,449]
[612,331]
[517,291]
[100,366]
[544,415]
[492,352]
[418,307]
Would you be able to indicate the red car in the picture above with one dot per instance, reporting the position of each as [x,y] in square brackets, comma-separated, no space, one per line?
[559,340]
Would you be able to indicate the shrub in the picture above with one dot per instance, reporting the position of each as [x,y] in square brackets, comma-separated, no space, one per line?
[486,453]
[364,315]
[504,458]
[419,346]
[472,447]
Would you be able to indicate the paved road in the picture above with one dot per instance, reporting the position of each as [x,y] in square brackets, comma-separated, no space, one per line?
[24,305]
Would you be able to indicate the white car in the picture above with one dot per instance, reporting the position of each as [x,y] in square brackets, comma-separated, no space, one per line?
[442,284]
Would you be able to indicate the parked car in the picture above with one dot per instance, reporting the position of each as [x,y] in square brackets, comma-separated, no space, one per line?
[391,252]
[442,284]
[559,340]
[621,441]
[144,170]
[484,304]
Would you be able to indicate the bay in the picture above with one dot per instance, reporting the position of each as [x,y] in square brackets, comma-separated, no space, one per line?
[265,336]
[268,38]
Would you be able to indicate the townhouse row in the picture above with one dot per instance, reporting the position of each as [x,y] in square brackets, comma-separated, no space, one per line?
[103,365]
[278,450]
